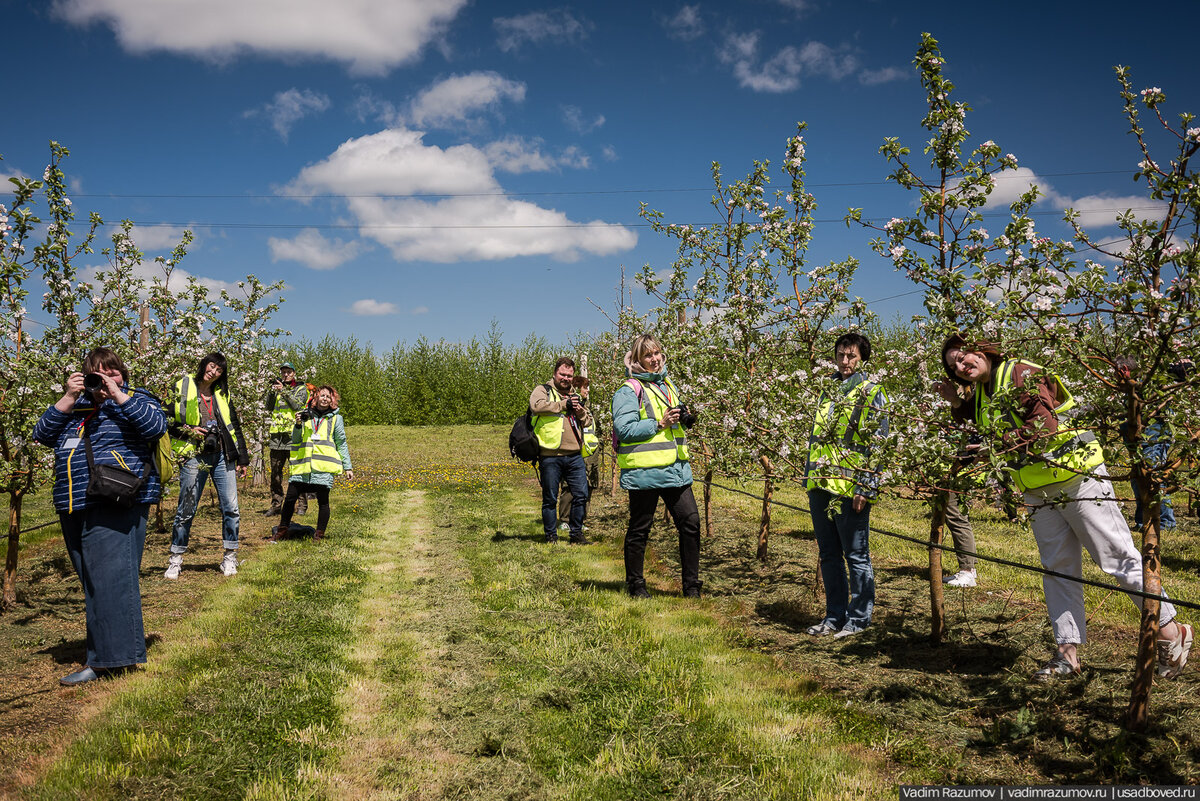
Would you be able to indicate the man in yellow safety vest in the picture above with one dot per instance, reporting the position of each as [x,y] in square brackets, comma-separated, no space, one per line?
[285,397]
[559,419]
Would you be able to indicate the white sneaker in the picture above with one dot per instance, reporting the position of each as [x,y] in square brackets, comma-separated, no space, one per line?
[963,578]
[229,563]
[563,527]
[1173,654]
[174,565]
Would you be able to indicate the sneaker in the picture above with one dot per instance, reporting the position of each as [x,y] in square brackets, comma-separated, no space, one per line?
[963,578]
[691,592]
[1173,654]
[1056,668]
[174,565]
[638,590]
[552,539]
[580,540]
[847,633]
[229,563]
[821,629]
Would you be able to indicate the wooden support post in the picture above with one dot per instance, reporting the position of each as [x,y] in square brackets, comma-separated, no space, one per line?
[764,529]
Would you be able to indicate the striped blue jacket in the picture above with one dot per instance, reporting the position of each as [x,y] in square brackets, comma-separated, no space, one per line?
[122,435]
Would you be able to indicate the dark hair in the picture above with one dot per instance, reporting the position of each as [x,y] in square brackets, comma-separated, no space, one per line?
[854,339]
[107,359]
[218,359]
[567,360]
[989,349]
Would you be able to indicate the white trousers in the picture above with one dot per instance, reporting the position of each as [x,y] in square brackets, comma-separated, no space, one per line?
[1068,517]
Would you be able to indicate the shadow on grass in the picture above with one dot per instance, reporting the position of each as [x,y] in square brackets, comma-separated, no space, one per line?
[500,536]
[602,586]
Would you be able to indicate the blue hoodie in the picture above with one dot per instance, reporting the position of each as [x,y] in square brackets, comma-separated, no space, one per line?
[627,422]
[123,433]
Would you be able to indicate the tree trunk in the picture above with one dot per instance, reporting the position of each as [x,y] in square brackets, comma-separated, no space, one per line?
[937,605]
[764,529]
[708,476]
[1138,713]
[10,562]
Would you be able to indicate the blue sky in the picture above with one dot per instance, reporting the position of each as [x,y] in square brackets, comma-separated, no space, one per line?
[421,167]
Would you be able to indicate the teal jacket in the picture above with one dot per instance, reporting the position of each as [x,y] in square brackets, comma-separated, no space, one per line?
[629,426]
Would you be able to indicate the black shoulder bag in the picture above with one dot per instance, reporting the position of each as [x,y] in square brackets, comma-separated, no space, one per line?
[112,483]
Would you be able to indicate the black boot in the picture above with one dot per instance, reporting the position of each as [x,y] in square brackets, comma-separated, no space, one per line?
[637,589]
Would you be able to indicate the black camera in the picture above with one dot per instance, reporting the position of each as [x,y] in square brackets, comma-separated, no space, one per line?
[304,415]
[687,418]
[92,381]
[212,439]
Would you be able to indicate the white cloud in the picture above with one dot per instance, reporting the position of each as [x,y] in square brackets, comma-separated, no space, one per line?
[799,6]
[157,237]
[609,153]
[370,36]
[686,24]
[455,98]
[149,270]
[573,117]
[288,108]
[378,173]
[885,75]
[781,72]
[368,307]
[312,250]
[559,25]
[1102,211]
[420,310]
[516,154]
[1011,184]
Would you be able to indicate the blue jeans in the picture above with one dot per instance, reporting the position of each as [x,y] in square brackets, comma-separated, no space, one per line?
[192,475]
[105,545]
[555,470]
[843,543]
[1155,455]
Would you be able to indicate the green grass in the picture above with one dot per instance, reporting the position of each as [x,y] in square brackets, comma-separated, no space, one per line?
[434,647]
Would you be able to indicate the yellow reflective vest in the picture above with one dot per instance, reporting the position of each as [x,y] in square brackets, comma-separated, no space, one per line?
[838,448]
[667,445]
[1057,457]
[283,417]
[187,412]
[315,450]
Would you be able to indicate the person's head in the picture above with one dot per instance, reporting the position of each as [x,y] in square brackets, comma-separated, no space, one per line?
[214,371]
[326,397]
[970,362]
[287,373]
[564,371]
[647,353]
[106,361]
[851,351]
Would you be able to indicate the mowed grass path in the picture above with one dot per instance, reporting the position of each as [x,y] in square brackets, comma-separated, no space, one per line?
[433,647]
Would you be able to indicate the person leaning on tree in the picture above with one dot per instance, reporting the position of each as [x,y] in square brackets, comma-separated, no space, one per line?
[284,399]
[649,419]
[1061,471]
[559,417]
[842,485]
[207,435]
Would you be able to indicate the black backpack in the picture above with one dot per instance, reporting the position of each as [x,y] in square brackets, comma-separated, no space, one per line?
[522,442]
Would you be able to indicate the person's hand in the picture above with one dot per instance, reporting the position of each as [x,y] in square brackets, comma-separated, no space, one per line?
[574,403]
[949,391]
[71,393]
[198,432]
[858,503]
[349,475]
[110,390]
[670,418]
[241,471]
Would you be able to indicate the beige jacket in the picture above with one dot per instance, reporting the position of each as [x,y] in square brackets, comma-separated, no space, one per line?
[540,403]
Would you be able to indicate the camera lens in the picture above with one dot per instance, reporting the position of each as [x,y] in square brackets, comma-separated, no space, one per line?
[92,382]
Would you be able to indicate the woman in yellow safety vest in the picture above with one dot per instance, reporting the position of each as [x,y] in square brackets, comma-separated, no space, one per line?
[649,420]
[207,435]
[1061,471]
[319,452]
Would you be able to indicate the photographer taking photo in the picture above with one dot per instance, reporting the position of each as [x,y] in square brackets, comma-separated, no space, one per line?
[652,452]
[319,453]
[285,397]
[559,417]
[207,435]
[101,424]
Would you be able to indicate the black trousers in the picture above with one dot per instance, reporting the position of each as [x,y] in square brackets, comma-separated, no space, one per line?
[296,489]
[682,506]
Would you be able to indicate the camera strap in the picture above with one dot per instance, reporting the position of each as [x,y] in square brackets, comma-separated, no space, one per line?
[91,459]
